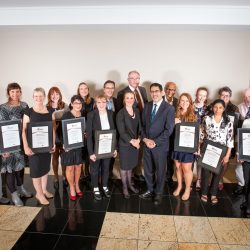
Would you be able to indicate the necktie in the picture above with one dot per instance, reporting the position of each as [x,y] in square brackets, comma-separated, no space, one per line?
[138,100]
[248,113]
[109,105]
[153,114]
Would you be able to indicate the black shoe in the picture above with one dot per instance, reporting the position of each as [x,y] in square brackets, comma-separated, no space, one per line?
[239,190]
[106,193]
[170,182]
[139,177]
[243,206]
[65,183]
[56,184]
[157,199]
[97,196]
[146,195]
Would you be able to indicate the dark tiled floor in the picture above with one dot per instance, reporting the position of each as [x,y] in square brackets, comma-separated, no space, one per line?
[76,225]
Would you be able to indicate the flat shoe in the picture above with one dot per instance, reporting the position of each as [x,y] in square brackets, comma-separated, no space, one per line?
[176,192]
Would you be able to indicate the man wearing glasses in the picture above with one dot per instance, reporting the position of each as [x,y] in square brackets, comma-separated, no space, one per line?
[170,89]
[108,90]
[140,100]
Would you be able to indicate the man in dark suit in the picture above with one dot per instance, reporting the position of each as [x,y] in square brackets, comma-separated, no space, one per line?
[170,90]
[157,126]
[141,99]
[133,86]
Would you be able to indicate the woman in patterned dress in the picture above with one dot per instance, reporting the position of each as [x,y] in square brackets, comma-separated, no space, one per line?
[216,127]
[13,163]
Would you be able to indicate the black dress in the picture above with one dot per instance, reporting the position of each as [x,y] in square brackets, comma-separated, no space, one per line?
[39,163]
[129,128]
[74,156]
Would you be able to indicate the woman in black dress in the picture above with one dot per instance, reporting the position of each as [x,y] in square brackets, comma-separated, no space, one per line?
[129,127]
[73,159]
[99,119]
[40,162]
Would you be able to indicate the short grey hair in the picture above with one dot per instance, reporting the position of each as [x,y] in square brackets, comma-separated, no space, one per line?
[39,90]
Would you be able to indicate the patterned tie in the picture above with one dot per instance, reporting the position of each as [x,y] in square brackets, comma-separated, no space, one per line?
[109,105]
[248,113]
[138,100]
[153,114]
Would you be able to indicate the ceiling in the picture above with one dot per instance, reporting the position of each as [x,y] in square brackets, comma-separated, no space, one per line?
[207,13]
[59,3]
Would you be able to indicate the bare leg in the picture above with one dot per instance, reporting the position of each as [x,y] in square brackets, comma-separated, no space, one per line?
[71,180]
[37,182]
[188,177]
[77,170]
[179,178]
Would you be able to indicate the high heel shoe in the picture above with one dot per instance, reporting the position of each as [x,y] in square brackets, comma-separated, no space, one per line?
[72,197]
[79,194]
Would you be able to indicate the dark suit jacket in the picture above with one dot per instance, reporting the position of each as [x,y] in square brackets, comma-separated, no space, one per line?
[121,93]
[125,128]
[162,125]
[175,102]
[93,124]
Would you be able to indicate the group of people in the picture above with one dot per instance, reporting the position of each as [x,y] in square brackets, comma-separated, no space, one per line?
[145,131]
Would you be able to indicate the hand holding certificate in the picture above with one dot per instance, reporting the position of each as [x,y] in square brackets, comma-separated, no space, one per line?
[73,133]
[186,137]
[212,155]
[244,144]
[105,141]
[10,136]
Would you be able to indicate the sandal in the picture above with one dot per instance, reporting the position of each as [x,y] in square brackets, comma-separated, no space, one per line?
[204,198]
[214,200]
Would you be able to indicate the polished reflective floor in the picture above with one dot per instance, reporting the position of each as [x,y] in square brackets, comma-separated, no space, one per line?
[117,223]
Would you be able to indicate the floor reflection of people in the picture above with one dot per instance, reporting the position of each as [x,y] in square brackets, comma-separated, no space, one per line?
[182,208]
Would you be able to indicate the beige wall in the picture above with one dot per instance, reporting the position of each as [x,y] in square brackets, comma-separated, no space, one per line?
[41,56]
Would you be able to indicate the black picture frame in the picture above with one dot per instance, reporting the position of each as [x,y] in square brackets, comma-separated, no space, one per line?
[236,118]
[98,134]
[13,148]
[78,144]
[206,144]
[180,148]
[241,131]
[43,149]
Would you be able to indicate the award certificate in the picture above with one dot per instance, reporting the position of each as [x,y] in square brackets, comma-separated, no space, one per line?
[40,137]
[187,136]
[212,156]
[11,136]
[74,131]
[246,143]
[105,143]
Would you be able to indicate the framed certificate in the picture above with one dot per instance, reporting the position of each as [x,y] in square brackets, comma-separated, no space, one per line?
[244,144]
[105,142]
[40,136]
[186,137]
[212,155]
[10,134]
[234,118]
[73,133]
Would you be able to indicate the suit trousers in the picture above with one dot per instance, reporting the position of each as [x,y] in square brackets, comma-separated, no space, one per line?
[155,165]
[99,166]
[246,171]
[1,190]
[205,174]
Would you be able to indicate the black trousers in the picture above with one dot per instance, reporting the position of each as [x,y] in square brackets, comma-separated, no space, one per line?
[246,172]
[102,167]
[16,177]
[205,174]
[155,165]
[170,167]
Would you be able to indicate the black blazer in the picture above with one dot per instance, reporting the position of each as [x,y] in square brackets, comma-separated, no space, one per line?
[93,124]
[121,93]
[125,128]
[162,125]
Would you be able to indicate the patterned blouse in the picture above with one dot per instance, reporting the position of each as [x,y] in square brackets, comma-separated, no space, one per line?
[200,112]
[217,132]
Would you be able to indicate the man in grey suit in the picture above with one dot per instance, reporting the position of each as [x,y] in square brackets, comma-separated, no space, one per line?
[133,86]
[157,126]
[140,100]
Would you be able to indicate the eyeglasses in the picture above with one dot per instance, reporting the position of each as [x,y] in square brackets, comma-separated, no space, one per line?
[76,103]
[156,91]
[173,90]
[109,88]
